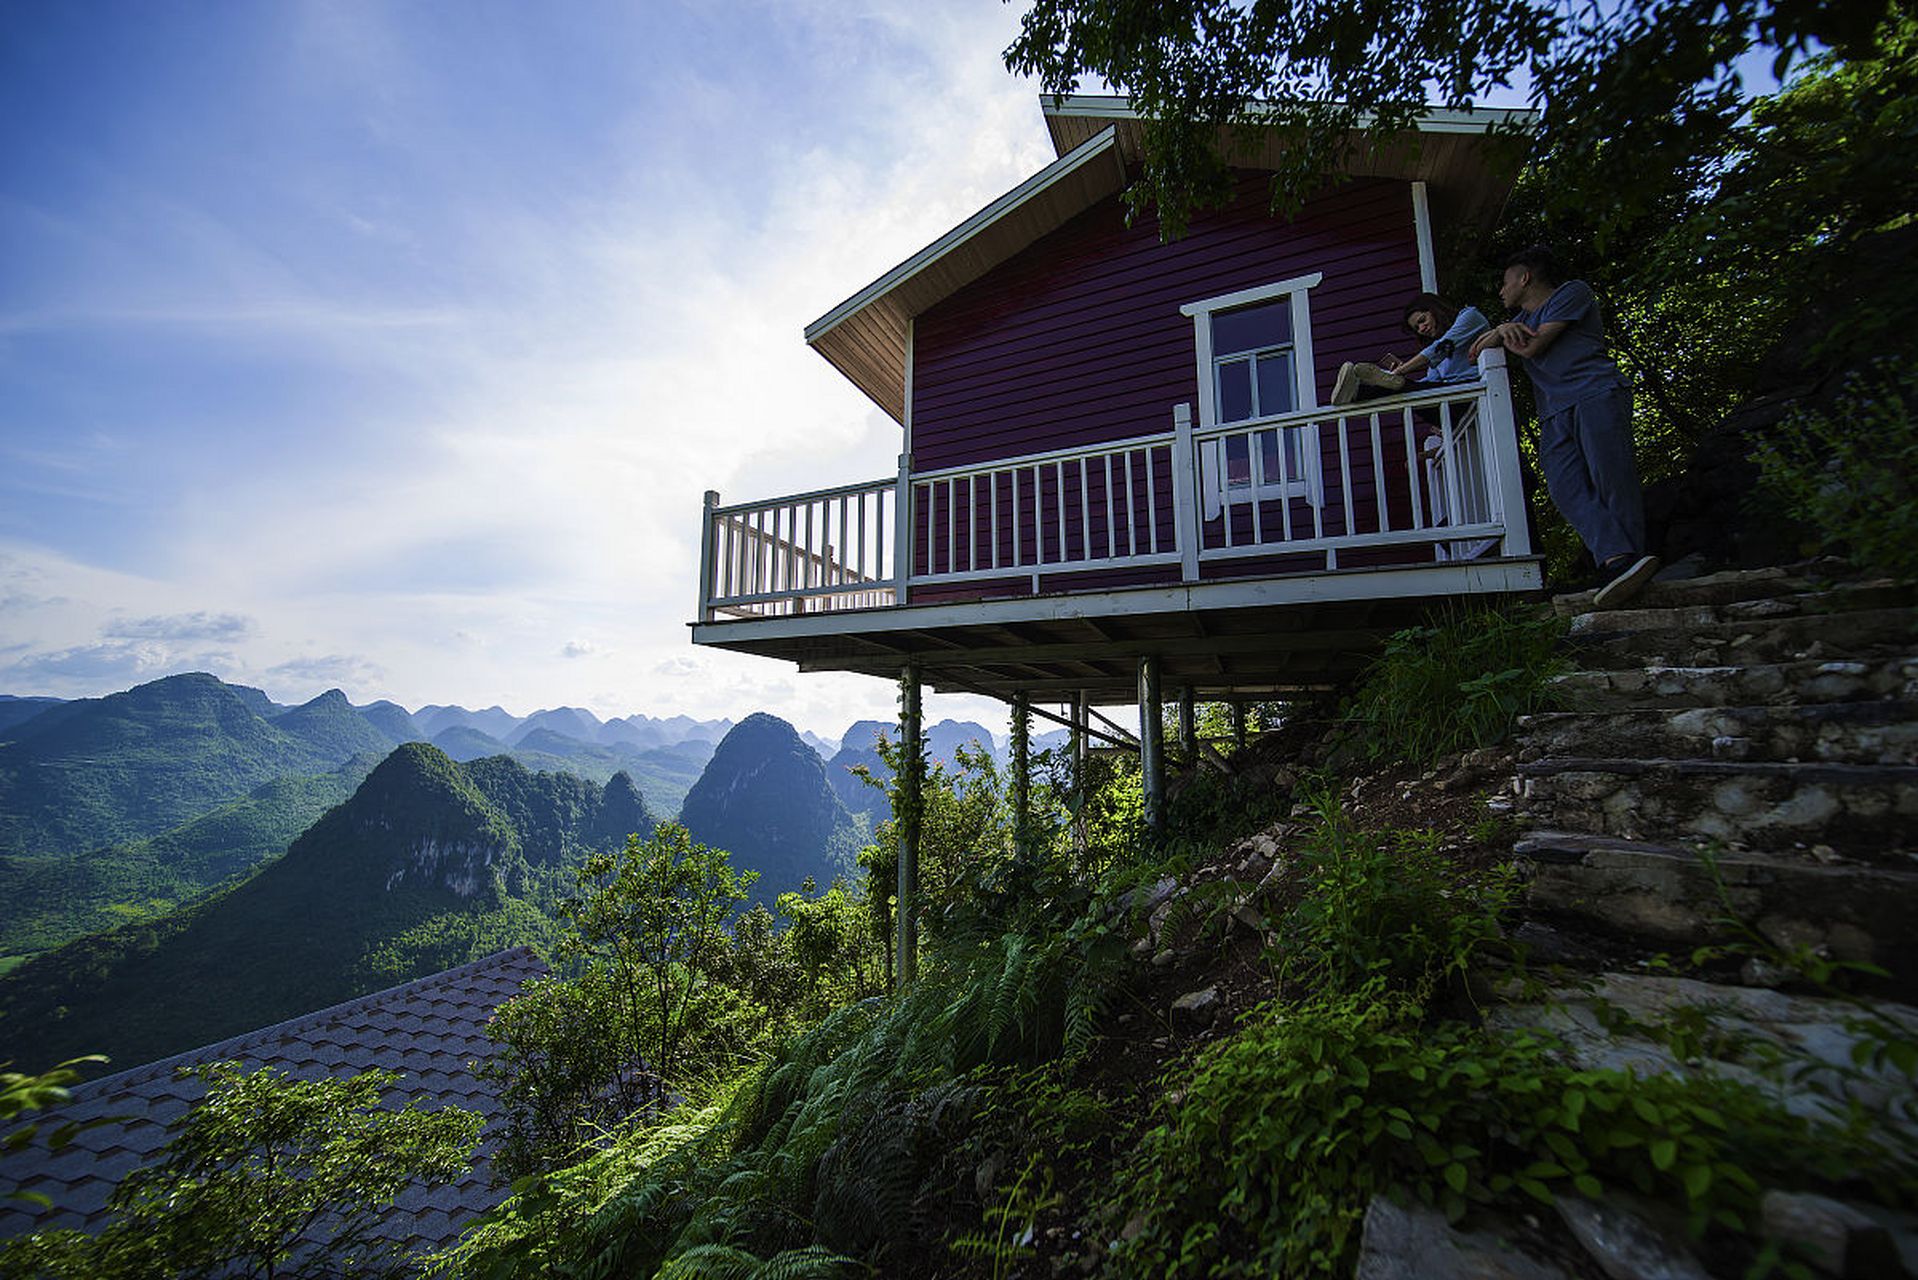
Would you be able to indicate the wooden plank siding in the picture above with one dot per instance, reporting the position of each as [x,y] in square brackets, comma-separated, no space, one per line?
[1078,339]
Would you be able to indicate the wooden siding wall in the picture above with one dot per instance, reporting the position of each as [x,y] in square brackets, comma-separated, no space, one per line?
[1079,339]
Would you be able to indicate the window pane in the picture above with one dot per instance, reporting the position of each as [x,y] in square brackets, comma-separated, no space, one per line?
[1268,324]
[1235,390]
[1277,391]
[1238,462]
[1287,468]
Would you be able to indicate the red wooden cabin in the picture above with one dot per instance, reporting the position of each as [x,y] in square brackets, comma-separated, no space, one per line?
[1117,453]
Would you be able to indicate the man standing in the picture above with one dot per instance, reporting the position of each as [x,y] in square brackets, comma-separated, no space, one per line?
[1585,416]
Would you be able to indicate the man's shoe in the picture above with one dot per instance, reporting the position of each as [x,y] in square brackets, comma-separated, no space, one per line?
[1627,582]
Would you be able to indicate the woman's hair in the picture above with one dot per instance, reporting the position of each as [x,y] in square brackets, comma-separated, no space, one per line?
[1541,262]
[1442,311]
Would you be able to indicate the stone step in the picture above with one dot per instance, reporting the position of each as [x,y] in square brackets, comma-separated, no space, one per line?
[1864,808]
[1824,637]
[1839,599]
[1731,586]
[1670,898]
[1798,1048]
[1735,685]
[1880,732]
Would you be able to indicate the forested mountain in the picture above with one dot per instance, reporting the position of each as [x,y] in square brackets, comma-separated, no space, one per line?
[47,901]
[427,865]
[334,726]
[100,771]
[766,798]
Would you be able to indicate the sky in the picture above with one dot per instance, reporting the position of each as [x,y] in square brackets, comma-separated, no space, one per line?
[391,346]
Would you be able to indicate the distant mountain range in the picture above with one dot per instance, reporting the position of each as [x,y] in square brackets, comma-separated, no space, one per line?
[362,863]
[428,864]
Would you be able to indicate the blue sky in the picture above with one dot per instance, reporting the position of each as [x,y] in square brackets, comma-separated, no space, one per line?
[391,345]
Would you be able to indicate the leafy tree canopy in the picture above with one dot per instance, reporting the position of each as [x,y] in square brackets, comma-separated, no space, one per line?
[1640,86]
[267,1176]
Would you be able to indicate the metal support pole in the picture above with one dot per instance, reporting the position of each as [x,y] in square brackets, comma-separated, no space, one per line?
[1152,745]
[1188,726]
[1080,723]
[912,796]
[1021,772]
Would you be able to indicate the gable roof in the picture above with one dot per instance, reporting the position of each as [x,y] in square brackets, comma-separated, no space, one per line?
[428,1029]
[1098,139]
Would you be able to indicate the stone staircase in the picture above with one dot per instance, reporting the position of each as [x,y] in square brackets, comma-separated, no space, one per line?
[1756,730]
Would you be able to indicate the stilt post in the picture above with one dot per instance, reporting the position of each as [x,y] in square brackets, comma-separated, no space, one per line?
[1238,726]
[912,802]
[1080,752]
[1021,773]
[1152,744]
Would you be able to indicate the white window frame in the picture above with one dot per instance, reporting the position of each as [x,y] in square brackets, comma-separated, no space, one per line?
[1213,481]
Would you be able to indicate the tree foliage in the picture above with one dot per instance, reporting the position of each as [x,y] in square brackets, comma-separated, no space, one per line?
[265,1177]
[1634,89]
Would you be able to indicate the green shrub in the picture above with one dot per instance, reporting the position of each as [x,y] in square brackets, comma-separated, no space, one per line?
[1384,906]
[1458,684]
[1283,1133]
[1851,472]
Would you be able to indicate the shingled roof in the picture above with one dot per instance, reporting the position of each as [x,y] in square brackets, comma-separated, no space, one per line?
[428,1029]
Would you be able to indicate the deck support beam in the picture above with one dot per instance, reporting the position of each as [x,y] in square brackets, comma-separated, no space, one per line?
[1188,725]
[1021,773]
[1238,726]
[1152,745]
[911,799]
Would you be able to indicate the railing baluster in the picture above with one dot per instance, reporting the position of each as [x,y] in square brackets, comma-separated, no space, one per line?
[1112,542]
[1017,558]
[1378,474]
[1414,464]
[1255,472]
[1131,521]
[1059,479]
[1085,513]
[1225,489]
[1345,473]
[1152,499]
[993,493]
[1318,457]
[1450,453]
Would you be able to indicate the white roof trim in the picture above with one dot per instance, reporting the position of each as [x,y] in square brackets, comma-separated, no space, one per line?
[1073,160]
[1434,120]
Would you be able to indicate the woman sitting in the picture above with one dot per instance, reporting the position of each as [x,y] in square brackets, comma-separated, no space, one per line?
[1449,331]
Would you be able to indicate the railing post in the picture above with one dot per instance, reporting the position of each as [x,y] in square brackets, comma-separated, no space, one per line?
[707,534]
[902,529]
[1185,494]
[1501,424]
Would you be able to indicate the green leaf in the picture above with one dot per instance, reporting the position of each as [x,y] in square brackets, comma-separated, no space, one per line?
[1663,1151]
[1697,1179]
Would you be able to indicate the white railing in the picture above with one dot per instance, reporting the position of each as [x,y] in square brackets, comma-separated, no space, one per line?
[1110,506]
[1411,469]
[817,552]
[1434,471]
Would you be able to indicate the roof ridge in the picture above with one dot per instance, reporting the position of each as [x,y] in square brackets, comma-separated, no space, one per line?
[231,1045]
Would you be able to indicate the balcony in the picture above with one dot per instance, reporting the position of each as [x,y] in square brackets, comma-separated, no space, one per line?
[1303,533]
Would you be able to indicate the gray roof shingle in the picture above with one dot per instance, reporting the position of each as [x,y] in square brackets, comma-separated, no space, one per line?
[428,1029]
